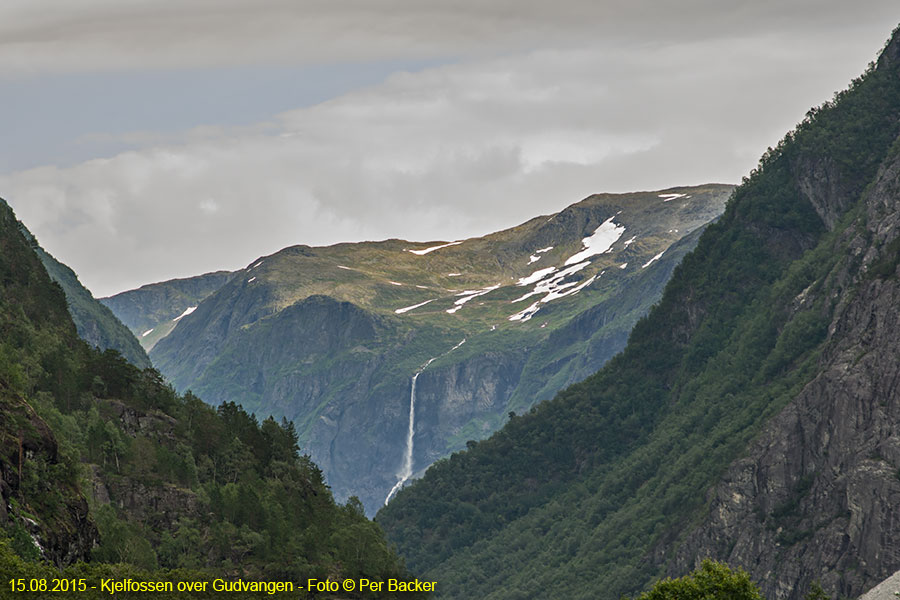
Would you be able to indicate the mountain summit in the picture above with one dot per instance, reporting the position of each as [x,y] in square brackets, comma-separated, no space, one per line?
[389,355]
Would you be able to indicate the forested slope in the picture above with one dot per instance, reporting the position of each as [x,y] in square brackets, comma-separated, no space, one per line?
[102,461]
[588,495]
[95,323]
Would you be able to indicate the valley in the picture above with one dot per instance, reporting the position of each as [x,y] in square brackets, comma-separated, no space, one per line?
[331,338]
[683,393]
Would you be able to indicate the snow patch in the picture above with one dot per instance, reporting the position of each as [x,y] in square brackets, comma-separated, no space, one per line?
[630,241]
[345,268]
[422,287]
[255,265]
[400,311]
[453,274]
[670,197]
[536,276]
[549,285]
[251,280]
[623,265]
[146,333]
[394,283]
[433,248]
[654,259]
[186,312]
[536,256]
[527,313]
[599,242]
[553,290]
[470,294]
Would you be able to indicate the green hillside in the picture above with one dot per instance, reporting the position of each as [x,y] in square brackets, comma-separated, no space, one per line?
[589,495]
[103,462]
[330,338]
[96,324]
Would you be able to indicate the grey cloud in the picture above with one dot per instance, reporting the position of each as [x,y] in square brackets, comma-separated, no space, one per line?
[59,35]
[445,153]
[552,102]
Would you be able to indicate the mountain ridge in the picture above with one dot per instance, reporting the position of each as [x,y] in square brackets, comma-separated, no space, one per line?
[152,310]
[500,293]
[95,323]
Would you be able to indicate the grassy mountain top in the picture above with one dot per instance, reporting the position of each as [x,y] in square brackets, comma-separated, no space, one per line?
[486,272]
[491,291]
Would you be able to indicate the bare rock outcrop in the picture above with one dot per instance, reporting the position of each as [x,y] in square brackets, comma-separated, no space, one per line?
[817,495]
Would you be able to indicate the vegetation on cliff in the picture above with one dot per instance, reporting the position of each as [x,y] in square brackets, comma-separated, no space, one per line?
[599,483]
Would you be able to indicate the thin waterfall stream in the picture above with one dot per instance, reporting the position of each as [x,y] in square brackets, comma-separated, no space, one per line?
[407,470]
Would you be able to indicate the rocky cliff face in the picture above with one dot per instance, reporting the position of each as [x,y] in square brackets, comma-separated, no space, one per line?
[348,387]
[61,530]
[817,495]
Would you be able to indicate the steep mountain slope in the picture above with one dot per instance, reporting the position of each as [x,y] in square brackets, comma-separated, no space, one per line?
[96,324]
[773,350]
[100,460]
[332,338]
[820,485]
[152,311]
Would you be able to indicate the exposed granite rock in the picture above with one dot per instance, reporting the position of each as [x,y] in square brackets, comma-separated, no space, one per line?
[99,491]
[159,506]
[820,182]
[157,424]
[817,495]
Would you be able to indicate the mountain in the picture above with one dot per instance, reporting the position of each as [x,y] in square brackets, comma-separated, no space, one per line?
[103,462]
[152,311]
[342,340]
[752,417]
[96,324]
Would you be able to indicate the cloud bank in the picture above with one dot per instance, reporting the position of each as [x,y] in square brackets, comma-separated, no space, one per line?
[440,154]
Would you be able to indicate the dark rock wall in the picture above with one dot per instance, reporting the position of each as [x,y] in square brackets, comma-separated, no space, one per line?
[817,496]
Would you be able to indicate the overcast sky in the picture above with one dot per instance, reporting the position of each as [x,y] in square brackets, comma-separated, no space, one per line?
[150,140]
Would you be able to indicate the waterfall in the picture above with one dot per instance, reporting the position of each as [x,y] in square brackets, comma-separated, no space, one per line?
[407,470]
